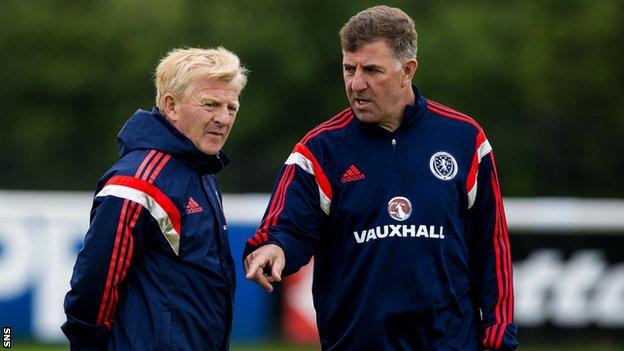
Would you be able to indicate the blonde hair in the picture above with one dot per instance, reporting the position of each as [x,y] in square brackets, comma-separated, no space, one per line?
[381,22]
[180,67]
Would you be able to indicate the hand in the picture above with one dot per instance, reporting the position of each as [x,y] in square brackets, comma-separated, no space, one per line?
[270,257]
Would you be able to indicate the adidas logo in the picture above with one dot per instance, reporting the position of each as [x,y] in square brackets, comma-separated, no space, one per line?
[193,206]
[351,175]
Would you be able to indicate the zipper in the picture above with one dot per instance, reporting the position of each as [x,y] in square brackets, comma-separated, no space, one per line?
[396,155]
[221,227]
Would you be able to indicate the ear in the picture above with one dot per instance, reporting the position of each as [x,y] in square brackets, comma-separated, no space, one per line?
[409,70]
[169,108]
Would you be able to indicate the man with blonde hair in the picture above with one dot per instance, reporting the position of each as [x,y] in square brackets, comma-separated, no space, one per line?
[156,272]
[397,198]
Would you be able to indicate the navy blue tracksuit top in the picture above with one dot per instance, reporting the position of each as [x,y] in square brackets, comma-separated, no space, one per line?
[155,272]
[407,230]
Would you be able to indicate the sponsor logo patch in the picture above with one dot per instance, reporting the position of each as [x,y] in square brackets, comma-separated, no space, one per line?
[443,165]
[399,208]
[399,231]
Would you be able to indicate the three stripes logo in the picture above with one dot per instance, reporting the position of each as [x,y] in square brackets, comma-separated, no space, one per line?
[193,206]
[352,174]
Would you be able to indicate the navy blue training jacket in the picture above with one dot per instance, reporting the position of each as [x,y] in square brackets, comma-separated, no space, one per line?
[155,272]
[407,229]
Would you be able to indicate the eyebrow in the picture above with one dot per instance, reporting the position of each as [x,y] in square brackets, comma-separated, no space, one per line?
[366,67]
[206,98]
[209,98]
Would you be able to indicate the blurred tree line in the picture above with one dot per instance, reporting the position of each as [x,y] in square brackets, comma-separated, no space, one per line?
[544,78]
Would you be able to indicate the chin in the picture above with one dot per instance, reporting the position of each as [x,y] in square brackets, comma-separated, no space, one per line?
[365,117]
[212,150]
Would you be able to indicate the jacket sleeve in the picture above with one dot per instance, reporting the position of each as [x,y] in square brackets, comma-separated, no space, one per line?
[298,207]
[491,271]
[100,268]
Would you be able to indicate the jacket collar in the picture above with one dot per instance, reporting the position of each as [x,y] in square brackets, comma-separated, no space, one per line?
[411,113]
[147,130]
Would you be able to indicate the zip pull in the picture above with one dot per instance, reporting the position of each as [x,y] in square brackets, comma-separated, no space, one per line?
[394,144]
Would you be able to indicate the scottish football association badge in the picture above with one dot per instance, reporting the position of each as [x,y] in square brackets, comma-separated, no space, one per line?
[399,208]
[443,165]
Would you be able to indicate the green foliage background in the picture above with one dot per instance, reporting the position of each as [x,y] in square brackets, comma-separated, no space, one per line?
[544,78]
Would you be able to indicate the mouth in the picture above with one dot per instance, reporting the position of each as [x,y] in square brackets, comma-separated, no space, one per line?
[216,134]
[361,102]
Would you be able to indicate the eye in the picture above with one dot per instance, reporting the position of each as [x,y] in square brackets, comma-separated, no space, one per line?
[232,109]
[349,69]
[211,105]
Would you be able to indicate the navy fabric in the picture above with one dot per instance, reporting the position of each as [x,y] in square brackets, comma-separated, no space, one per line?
[438,279]
[130,289]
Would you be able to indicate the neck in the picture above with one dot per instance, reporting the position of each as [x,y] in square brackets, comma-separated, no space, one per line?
[407,98]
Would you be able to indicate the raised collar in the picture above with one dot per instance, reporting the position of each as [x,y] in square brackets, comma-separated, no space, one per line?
[147,130]
[411,113]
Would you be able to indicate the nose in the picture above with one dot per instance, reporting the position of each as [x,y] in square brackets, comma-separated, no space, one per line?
[222,116]
[358,82]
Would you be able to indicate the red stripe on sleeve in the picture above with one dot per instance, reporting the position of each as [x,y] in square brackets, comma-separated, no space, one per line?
[282,200]
[506,261]
[506,268]
[336,120]
[337,124]
[501,310]
[125,259]
[113,263]
[449,112]
[503,262]
[472,174]
[510,301]
[486,336]
[145,160]
[497,263]
[151,165]
[119,242]
[501,335]
[327,123]
[320,176]
[162,199]
[162,164]
[280,203]
[497,330]
[252,241]
[505,238]
[262,230]
[123,247]
[504,304]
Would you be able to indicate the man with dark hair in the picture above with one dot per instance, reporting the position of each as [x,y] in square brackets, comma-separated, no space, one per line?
[398,200]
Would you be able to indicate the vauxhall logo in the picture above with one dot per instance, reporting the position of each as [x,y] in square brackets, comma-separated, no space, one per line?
[399,231]
[399,209]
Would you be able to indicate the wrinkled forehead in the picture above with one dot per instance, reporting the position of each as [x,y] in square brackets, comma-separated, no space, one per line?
[375,52]
[215,88]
